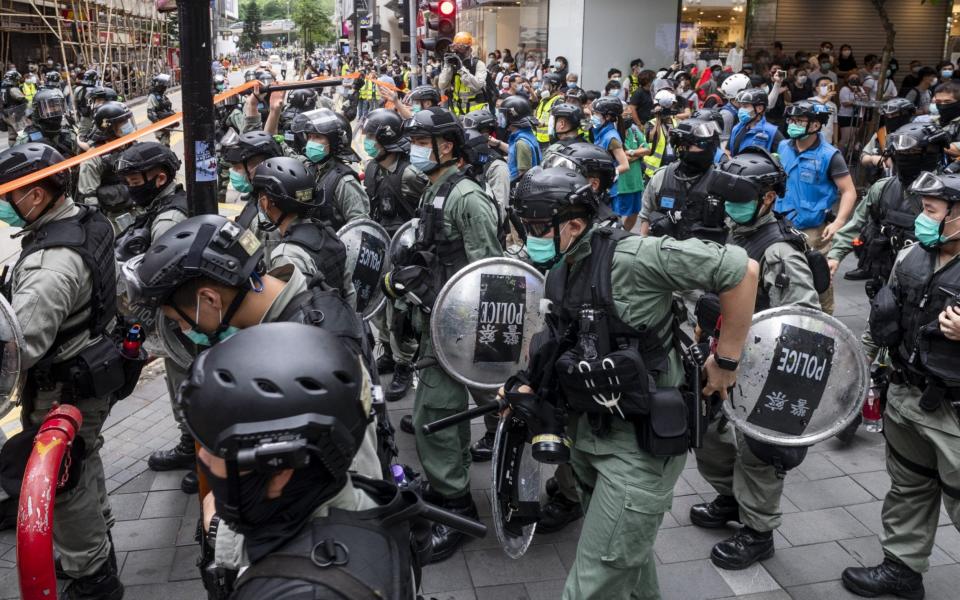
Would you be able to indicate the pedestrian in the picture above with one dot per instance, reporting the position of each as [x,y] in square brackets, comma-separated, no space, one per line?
[606,117]
[921,94]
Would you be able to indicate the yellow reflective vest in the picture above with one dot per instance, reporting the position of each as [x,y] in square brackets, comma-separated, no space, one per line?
[652,161]
[369,90]
[543,116]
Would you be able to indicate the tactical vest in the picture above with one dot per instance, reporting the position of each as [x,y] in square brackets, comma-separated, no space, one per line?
[327,187]
[778,231]
[890,227]
[685,208]
[387,204]
[59,141]
[449,255]
[135,239]
[162,109]
[90,235]
[324,247]
[361,555]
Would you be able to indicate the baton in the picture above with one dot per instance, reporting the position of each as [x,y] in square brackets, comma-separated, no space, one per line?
[453,520]
[466,415]
[299,85]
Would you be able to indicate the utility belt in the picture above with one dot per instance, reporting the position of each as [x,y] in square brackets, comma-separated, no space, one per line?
[98,371]
[934,392]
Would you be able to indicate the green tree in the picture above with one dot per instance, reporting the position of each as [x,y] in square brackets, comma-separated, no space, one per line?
[313,23]
[250,36]
[274,9]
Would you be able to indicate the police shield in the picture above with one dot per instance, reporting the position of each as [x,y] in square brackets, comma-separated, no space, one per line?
[11,341]
[483,319]
[802,378]
[367,260]
[516,487]
[404,237]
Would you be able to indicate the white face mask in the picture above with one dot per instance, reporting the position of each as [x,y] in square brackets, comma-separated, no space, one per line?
[824,90]
[802,79]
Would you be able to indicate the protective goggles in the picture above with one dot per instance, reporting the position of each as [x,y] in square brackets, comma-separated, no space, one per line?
[929,184]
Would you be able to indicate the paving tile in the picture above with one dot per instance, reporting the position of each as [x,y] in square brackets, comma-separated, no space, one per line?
[451,574]
[187,531]
[826,493]
[496,568]
[868,514]
[693,579]
[816,466]
[147,566]
[177,590]
[687,543]
[184,565]
[858,459]
[165,504]
[696,481]
[127,507]
[875,482]
[682,488]
[568,554]
[753,580]
[809,564]
[816,526]
[941,582]
[776,595]
[681,508]
[146,534]
[457,595]
[546,590]
[515,591]
[139,483]
[948,539]
[167,480]
[830,590]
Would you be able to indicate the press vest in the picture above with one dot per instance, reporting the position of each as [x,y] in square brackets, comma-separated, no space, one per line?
[368,91]
[602,138]
[527,136]
[652,161]
[761,134]
[324,247]
[810,190]
[464,99]
[695,212]
[543,118]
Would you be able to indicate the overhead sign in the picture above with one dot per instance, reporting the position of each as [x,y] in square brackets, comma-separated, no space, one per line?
[366,22]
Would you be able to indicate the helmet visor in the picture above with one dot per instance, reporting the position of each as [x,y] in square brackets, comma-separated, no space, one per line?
[50,108]
[558,160]
[928,184]
[900,142]
[130,284]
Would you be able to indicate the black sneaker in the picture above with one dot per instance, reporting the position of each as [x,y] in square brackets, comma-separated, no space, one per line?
[406,424]
[190,484]
[742,549]
[181,456]
[482,449]
[386,364]
[401,382]
[716,514]
[557,513]
[889,577]
[102,585]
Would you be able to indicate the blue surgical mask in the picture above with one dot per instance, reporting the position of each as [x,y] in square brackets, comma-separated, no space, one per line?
[9,216]
[742,213]
[315,151]
[420,157]
[240,183]
[572,85]
[744,115]
[541,250]
[202,339]
[370,147]
[946,74]
[596,121]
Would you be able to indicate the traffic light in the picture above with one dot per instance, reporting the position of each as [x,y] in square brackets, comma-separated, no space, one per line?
[443,20]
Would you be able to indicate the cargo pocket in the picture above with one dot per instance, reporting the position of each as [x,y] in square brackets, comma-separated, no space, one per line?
[631,543]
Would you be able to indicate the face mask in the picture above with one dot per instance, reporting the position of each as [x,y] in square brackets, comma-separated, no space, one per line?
[315,151]
[845,53]
[744,115]
[698,162]
[946,74]
[420,158]
[875,74]
[927,231]
[915,70]
[530,64]
[9,216]
[416,107]
[615,79]
[544,94]
[31,79]
[370,147]
[949,111]
[143,194]
[127,128]
[934,82]
[202,339]
[240,183]
[796,131]
[596,121]
[741,212]
[801,79]
[825,66]
[572,85]
[824,90]
[541,250]
[854,82]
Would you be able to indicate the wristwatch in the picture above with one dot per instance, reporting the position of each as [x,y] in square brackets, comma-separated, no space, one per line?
[727,364]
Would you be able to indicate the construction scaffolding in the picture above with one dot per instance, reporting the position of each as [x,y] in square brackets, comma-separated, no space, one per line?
[127,41]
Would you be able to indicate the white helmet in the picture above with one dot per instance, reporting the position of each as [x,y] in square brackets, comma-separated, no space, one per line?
[665,98]
[733,85]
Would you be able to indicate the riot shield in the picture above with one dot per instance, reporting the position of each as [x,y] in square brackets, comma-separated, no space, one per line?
[367,261]
[516,487]
[404,237]
[802,378]
[11,341]
[483,319]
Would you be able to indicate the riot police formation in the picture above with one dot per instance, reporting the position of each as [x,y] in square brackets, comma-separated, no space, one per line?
[48,126]
[159,106]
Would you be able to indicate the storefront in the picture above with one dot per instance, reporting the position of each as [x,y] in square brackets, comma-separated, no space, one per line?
[504,24]
[709,28]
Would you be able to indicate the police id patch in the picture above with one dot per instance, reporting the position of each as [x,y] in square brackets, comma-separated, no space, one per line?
[500,314]
[795,382]
[366,274]
[249,242]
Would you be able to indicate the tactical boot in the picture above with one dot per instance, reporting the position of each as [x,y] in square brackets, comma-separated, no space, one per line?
[385,364]
[482,449]
[102,585]
[557,513]
[446,540]
[401,382]
[553,488]
[190,484]
[889,577]
[406,424]
[742,549]
[716,514]
[858,274]
[181,456]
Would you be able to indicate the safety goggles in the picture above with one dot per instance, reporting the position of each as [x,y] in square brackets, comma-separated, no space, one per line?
[928,184]
[537,228]
[558,160]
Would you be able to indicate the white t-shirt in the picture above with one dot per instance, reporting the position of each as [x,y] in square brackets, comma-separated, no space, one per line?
[870,85]
[847,95]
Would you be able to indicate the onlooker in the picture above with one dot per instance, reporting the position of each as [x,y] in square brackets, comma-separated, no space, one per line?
[642,100]
[846,63]
[911,79]
[825,92]
[870,81]
[920,94]
[851,92]
[825,68]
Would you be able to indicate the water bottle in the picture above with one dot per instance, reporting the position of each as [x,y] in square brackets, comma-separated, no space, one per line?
[872,414]
[399,475]
[130,347]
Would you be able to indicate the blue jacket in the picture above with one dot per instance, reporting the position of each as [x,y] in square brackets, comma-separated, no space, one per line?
[603,137]
[810,190]
[527,136]
[762,135]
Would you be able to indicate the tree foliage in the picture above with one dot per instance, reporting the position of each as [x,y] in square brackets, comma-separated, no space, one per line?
[250,36]
[313,23]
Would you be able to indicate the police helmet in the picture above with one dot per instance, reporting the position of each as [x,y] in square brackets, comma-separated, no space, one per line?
[425,92]
[553,194]
[108,115]
[753,97]
[436,122]
[265,77]
[90,78]
[302,100]
[552,79]
[52,79]
[710,114]
[23,159]
[48,108]
[516,110]
[219,83]
[325,122]
[386,127]
[897,106]
[916,138]
[288,183]
[229,103]
[571,112]
[944,187]
[748,176]
[697,132]
[160,82]
[587,159]
[277,396]
[250,144]
[209,246]
[481,119]
[249,75]
[733,85]
[814,111]
[578,95]
[608,106]
[143,156]
[99,92]
[12,76]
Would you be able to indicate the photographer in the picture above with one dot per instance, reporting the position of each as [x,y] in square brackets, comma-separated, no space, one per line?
[464,75]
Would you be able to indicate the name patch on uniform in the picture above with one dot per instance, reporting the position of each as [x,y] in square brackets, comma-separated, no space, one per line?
[366,274]
[500,315]
[667,202]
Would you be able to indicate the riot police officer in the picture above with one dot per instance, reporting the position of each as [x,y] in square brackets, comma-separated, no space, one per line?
[676,201]
[159,106]
[83,84]
[458,226]
[47,125]
[747,474]
[52,81]
[96,97]
[487,164]
[98,182]
[894,113]
[244,156]
[322,138]
[915,316]
[231,123]
[64,293]
[591,161]
[394,187]
[13,103]
[298,101]
[625,467]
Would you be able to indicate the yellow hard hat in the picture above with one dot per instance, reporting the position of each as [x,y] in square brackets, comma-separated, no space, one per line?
[463,37]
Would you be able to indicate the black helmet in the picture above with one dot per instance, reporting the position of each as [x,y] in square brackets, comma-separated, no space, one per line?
[52,79]
[13,77]
[265,77]
[288,183]
[814,111]
[23,159]
[436,122]
[710,114]
[945,187]
[747,177]
[249,75]
[915,148]
[386,127]
[587,159]
[481,119]
[516,110]
[276,396]
[48,108]
[160,82]
[753,97]
[570,112]
[577,94]
[425,92]
[108,115]
[250,144]
[699,132]
[143,156]
[897,106]
[552,79]
[90,78]
[99,92]
[325,122]
[208,246]
[302,100]
[608,106]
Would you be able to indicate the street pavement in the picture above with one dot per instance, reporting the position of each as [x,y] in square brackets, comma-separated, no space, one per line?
[831,518]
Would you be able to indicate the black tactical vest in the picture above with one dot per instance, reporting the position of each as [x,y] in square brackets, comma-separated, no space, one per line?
[449,255]
[250,212]
[326,250]
[112,193]
[890,227]
[327,187]
[387,204]
[61,141]
[136,238]
[698,214]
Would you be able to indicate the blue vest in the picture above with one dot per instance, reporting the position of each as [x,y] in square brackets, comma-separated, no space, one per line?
[730,108]
[810,190]
[602,138]
[762,135]
[527,136]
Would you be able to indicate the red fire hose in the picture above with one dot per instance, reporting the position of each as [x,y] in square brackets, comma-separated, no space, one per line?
[38,580]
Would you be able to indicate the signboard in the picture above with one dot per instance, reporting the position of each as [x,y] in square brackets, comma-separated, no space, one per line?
[266,45]
[231,9]
[366,22]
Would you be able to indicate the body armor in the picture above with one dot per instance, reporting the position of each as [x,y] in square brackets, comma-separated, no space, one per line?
[686,209]
[326,188]
[325,248]
[63,141]
[136,238]
[890,227]
[112,193]
[387,204]
[162,110]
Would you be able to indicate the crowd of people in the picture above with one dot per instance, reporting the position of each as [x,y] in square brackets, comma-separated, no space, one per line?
[727,184]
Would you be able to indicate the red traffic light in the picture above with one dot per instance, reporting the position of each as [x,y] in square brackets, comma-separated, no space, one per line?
[447,7]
